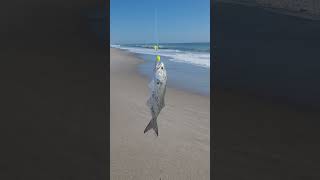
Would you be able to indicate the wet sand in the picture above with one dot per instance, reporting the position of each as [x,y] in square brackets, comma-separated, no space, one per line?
[182,150]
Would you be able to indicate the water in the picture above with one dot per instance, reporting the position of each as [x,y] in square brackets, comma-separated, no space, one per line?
[193,53]
[187,64]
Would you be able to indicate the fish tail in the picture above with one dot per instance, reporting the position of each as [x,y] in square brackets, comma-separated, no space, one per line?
[152,125]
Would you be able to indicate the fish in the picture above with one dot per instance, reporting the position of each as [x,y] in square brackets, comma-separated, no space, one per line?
[156,101]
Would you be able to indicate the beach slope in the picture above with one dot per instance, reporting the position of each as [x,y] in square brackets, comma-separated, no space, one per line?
[182,149]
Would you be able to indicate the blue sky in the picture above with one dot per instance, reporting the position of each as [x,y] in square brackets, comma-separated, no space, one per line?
[133,21]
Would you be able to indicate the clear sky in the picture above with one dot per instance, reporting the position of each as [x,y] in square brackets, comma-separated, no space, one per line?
[133,21]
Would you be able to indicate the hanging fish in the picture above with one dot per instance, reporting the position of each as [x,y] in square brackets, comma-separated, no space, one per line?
[157,87]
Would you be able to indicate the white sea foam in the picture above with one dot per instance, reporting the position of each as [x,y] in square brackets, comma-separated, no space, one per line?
[114,46]
[195,58]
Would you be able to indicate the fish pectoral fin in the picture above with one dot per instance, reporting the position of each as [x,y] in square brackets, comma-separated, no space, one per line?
[163,102]
[164,94]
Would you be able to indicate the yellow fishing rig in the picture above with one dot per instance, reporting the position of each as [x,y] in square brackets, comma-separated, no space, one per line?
[156,47]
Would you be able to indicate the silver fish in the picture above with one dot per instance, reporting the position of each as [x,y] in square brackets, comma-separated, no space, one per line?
[156,101]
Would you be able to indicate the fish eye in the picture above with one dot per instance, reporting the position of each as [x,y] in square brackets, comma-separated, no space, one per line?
[161,67]
[158,82]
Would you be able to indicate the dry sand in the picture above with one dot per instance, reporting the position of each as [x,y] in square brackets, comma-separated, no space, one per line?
[182,150]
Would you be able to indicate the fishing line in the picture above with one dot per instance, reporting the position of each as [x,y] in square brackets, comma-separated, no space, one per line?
[156,23]
[156,46]
[156,26]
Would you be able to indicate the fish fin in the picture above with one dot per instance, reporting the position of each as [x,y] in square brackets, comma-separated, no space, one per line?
[149,126]
[155,127]
[152,125]
[164,94]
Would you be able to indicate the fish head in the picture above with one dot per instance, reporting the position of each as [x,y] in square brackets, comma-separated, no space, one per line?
[160,74]
[160,67]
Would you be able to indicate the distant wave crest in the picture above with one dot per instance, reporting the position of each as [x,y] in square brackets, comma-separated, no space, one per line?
[195,58]
[115,46]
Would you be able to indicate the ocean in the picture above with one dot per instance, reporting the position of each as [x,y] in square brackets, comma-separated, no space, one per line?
[187,64]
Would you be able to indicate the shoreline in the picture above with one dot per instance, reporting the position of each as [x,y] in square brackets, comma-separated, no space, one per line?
[142,61]
[182,149]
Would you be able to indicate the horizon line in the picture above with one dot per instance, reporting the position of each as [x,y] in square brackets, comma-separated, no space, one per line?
[159,43]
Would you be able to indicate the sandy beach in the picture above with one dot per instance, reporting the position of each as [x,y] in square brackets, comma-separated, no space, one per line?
[182,150]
